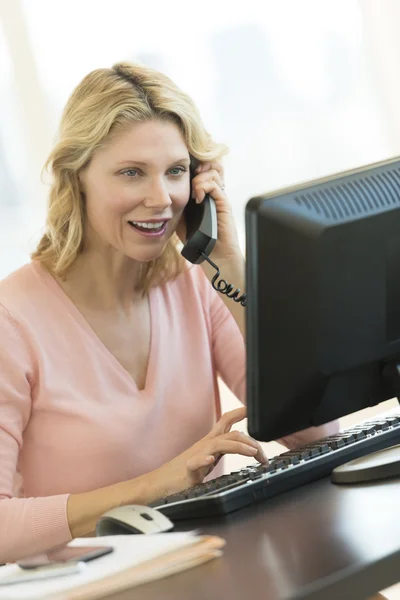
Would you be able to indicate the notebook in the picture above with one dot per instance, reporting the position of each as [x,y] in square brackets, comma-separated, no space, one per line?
[136,559]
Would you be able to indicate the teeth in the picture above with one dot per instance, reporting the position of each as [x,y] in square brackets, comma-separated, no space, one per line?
[148,225]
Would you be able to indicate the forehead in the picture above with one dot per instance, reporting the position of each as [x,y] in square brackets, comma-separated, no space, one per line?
[147,142]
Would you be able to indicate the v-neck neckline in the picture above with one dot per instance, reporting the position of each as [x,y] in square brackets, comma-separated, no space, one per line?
[53,284]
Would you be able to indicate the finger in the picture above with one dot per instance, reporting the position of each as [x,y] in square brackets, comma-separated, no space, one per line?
[199,461]
[203,185]
[228,419]
[223,446]
[202,167]
[211,175]
[261,456]
[206,166]
[207,187]
[240,436]
[217,166]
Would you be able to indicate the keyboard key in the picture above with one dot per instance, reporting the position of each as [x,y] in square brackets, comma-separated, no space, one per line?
[358,435]
[279,463]
[267,469]
[323,448]
[313,451]
[254,476]
[305,454]
[239,476]
[381,425]
[335,444]
[366,428]
[348,438]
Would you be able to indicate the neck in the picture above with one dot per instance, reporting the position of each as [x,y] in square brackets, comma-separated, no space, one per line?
[104,283]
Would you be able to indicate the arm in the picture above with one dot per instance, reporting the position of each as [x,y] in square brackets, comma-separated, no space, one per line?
[233,271]
[27,524]
[31,525]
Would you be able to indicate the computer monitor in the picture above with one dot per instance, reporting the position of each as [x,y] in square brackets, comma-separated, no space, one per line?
[323,299]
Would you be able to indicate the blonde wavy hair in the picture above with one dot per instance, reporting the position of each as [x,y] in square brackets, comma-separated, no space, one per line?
[105,102]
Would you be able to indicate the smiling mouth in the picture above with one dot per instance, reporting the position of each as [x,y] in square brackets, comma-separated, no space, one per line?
[149,227]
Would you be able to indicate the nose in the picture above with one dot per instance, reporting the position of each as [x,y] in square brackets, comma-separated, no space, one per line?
[157,195]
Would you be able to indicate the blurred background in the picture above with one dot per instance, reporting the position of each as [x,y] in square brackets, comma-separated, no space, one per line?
[297,90]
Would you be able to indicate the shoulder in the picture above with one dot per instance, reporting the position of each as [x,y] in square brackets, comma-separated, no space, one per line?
[22,289]
[192,282]
[187,298]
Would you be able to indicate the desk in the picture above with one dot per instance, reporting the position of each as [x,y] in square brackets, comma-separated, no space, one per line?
[320,541]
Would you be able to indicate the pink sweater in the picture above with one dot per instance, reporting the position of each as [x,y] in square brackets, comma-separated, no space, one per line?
[72,419]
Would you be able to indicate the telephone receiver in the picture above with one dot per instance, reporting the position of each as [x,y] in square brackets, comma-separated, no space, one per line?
[201,228]
[201,235]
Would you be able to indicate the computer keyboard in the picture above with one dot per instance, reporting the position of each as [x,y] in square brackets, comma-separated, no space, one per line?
[284,472]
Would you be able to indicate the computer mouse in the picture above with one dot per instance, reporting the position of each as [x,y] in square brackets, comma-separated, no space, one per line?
[132,518]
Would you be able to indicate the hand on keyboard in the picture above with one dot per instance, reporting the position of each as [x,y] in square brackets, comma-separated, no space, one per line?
[284,472]
[221,440]
[193,465]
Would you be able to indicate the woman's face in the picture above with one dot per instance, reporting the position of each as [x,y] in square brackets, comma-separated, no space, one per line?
[136,189]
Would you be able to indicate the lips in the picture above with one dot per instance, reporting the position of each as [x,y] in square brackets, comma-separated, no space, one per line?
[149,228]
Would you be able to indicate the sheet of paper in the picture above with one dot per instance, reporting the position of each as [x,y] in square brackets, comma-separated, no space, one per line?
[129,550]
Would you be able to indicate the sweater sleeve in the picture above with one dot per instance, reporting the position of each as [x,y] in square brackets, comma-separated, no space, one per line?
[230,360]
[27,525]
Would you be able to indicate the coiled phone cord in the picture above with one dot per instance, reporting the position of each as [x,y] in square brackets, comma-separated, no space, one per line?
[223,287]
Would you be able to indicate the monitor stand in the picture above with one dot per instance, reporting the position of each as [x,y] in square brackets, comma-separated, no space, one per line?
[384,464]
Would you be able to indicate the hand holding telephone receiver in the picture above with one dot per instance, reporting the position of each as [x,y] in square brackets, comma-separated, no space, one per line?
[201,236]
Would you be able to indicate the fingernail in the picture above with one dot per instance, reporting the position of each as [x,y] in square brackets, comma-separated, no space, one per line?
[253,450]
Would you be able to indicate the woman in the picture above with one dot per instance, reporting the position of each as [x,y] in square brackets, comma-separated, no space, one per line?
[110,342]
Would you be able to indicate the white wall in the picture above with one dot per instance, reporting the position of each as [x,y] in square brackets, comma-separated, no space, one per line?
[296,89]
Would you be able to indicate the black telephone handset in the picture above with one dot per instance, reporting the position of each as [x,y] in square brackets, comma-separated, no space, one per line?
[201,236]
[201,229]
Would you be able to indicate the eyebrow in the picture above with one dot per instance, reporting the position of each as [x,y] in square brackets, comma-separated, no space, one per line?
[144,164]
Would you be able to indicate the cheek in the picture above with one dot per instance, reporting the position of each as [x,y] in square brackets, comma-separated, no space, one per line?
[112,201]
[122,198]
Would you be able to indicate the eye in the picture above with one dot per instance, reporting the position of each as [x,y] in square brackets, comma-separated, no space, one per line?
[130,172]
[176,171]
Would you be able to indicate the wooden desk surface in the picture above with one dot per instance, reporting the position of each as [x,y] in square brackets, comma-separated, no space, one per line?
[320,541]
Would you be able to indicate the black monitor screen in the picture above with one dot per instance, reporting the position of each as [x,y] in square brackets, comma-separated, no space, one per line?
[323,299]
